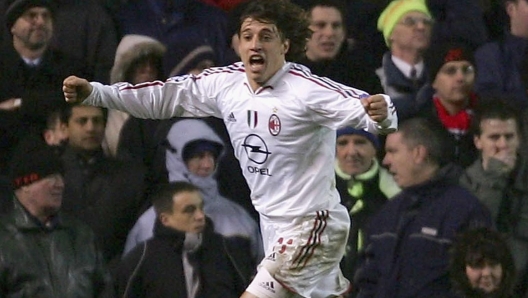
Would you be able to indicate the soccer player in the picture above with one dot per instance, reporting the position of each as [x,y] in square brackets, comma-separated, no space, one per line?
[282,122]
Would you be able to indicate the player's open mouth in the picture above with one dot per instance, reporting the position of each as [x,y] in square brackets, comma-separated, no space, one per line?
[256,62]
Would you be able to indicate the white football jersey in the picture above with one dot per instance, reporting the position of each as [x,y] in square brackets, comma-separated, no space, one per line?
[283,133]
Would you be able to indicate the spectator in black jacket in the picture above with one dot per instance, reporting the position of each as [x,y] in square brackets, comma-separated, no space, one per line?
[185,258]
[32,72]
[104,192]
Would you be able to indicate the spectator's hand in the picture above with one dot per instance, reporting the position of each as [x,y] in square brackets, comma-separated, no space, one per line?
[10,104]
[376,107]
[76,89]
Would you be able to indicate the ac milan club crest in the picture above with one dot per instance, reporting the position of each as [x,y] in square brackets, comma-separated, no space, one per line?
[274,125]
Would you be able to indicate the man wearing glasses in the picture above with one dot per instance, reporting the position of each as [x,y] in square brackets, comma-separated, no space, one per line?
[406,27]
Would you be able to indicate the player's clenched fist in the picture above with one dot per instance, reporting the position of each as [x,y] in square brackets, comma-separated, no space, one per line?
[76,89]
[376,107]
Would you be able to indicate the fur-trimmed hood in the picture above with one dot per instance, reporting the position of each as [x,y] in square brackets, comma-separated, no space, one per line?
[131,48]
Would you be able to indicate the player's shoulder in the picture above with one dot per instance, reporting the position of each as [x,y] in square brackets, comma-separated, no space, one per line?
[304,80]
[221,76]
[233,71]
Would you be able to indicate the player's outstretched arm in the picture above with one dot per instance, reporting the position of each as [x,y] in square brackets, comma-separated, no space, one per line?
[76,89]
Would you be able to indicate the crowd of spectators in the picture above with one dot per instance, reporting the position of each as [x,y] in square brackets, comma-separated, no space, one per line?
[456,71]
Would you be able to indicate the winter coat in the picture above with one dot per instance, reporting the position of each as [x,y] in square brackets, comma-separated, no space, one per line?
[402,90]
[377,187]
[407,242]
[155,269]
[40,89]
[106,194]
[85,30]
[37,261]
[131,50]
[349,67]
[499,70]
[506,196]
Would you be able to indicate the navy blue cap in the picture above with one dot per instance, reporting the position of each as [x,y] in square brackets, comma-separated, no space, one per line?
[349,130]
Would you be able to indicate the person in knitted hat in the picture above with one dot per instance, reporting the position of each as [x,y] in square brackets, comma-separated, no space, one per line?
[35,232]
[36,163]
[406,26]
[448,51]
[18,7]
[397,12]
[32,72]
[449,97]
[364,186]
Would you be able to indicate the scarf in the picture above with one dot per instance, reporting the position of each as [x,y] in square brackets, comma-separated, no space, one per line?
[459,123]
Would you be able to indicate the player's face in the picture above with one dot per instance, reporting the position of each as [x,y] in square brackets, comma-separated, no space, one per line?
[86,128]
[487,277]
[33,29]
[202,165]
[400,160]
[412,32]
[262,50]
[454,82]
[328,33]
[497,137]
[355,154]
[187,213]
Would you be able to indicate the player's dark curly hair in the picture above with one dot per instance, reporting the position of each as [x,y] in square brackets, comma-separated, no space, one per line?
[291,21]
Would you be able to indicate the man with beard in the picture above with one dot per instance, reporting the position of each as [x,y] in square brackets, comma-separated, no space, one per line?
[32,73]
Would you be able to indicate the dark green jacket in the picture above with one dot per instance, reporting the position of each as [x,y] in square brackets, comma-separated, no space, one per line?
[56,262]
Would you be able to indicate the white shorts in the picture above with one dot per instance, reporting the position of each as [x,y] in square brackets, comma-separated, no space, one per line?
[303,255]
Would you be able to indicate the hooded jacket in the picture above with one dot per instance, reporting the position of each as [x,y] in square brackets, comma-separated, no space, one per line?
[229,218]
[131,48]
